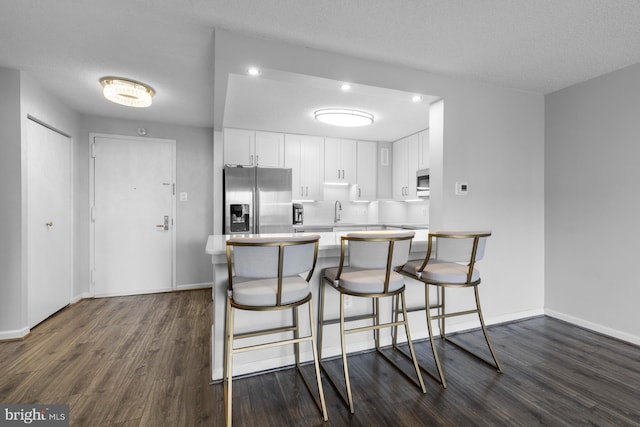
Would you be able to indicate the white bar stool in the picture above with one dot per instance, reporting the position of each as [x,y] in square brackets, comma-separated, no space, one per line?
[374,258]
[448,265]
[264,275]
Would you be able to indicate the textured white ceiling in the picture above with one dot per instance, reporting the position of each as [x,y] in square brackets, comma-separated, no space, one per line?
[532,45]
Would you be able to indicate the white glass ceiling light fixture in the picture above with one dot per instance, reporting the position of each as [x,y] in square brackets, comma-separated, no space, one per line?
[127,92]
[344,117]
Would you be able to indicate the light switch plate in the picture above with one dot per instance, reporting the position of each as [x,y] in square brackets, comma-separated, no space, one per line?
[462,188]
[183,196]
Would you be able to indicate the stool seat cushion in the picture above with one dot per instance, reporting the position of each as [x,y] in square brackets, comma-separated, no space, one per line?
[262,292]
[441,271]
[364,281]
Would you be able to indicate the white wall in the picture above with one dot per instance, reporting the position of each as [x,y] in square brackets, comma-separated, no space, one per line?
[11,319]
[194,218]
[493,139]
[592,205]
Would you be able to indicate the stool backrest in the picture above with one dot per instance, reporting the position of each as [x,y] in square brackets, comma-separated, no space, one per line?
[271,257]
[371,249]
[460,246]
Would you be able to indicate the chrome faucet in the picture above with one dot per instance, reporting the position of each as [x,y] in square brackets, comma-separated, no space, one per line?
[336,207]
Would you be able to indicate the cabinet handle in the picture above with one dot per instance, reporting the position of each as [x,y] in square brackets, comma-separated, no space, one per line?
[338,173]
[359,192]
[257,159]
[251,159]
[342,173]
[301,191]
[307,194]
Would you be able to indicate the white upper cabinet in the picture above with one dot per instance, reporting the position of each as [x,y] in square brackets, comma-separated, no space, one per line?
[304,155]
[340,161]
[423,149]
[239,147]
[253,148]
[366,171]
[400,165]
[269,150]
[405,164]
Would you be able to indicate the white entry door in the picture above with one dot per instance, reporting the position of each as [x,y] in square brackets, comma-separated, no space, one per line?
[134,205]
[48,165]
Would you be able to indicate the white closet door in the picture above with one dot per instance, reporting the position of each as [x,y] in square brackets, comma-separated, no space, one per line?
[48,164]
[133,215]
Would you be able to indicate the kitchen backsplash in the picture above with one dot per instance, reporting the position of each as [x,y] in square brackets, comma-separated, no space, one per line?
[375,212]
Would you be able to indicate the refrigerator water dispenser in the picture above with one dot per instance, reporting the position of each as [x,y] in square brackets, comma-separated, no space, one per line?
[239,214]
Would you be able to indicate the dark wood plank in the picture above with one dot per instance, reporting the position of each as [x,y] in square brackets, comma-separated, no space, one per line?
[144,361]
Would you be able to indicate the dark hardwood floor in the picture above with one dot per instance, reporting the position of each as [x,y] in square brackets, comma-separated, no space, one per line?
[144,361]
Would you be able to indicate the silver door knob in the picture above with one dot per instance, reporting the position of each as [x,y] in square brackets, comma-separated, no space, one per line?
[49,224]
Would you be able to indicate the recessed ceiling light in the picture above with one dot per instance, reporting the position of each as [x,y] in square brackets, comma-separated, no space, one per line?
[344,117]
[345,86]
[416,98]
[253,71]
[127,92]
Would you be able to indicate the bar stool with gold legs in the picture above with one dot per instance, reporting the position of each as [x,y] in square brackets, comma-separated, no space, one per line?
[451,264]
[264,275]
[373,261]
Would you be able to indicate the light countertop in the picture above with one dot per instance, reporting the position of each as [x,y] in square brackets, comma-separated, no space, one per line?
[329,241]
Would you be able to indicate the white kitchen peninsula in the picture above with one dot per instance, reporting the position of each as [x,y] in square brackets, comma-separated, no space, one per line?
[328,256]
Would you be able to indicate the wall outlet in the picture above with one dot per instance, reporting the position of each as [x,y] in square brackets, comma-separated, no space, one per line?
[348,301]
[184,196]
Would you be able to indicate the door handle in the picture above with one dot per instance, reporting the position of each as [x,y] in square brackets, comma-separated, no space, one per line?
[164,226]
[49,224]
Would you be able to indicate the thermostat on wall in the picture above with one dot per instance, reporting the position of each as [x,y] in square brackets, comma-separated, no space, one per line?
[462,188]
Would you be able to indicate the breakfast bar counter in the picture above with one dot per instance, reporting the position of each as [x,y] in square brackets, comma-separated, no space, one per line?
[328,256]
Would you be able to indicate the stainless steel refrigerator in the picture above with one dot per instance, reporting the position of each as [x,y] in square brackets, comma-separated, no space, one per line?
[257,200]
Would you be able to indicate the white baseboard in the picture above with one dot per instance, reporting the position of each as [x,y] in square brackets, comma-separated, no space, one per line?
[126,294]
[605,330]
[80,297]
[15,334]
[189,286]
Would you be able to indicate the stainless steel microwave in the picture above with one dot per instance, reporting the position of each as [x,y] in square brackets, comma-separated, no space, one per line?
[422,183]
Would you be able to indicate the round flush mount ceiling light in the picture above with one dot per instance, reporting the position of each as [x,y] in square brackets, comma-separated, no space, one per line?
[344,117]
[127,92]
[253,71]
